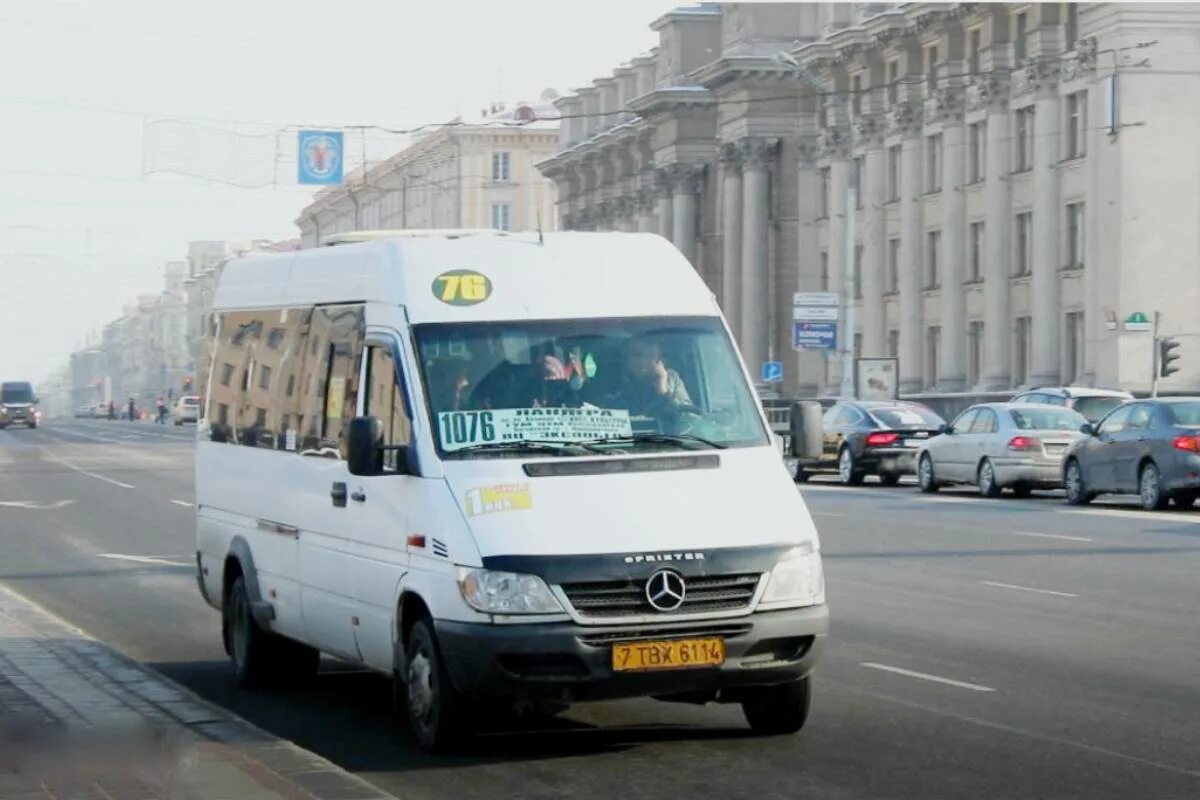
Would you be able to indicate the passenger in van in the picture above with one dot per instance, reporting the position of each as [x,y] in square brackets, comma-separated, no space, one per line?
[647,387]
[448,383]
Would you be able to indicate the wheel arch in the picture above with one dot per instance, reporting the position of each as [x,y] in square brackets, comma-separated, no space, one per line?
[239,561]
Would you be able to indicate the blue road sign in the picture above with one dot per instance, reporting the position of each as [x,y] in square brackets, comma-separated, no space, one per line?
[772,371]
[320,157]
[814,335]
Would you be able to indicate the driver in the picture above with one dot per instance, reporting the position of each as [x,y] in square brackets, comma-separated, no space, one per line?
[648,387]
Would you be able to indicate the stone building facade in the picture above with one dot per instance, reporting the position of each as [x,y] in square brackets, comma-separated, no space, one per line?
[1026,178]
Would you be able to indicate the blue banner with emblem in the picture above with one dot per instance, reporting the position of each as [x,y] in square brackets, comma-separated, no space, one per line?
[319,157]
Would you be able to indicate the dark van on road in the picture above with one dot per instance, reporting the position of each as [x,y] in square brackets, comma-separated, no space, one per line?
[18,405]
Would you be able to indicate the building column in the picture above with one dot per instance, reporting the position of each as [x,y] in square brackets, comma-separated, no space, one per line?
[1044,286]
[839,175]
[627,219]
[666,205]
[731,231]
[758,155]
[687,180]
[809,364]
[647,221]
[874,342]
[910,260]
[997,304]
[952,372]
[1093,312]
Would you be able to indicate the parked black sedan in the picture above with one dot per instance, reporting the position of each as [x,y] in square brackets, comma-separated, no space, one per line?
[1150,448]
[872,438]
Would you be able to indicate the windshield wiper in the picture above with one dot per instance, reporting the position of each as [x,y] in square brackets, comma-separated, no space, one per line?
[528,446]
[665,438]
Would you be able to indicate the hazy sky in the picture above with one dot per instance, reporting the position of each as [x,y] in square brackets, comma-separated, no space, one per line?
[83,231]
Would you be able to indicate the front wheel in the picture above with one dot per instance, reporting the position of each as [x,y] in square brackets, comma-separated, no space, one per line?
[1150,490]
[1077,493]
[848,472]
[988,487]
[925,477]
[777,710]
[249,645]
[435,708]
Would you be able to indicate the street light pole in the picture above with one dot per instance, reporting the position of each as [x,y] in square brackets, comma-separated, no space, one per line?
[849,230]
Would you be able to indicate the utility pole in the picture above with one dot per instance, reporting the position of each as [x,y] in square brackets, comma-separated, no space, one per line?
[1154,359]
[849,230]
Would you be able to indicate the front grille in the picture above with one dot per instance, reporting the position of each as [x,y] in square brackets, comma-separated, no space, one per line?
[627,598]
[659,634]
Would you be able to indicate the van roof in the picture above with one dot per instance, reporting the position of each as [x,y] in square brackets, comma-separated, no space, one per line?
[556,276]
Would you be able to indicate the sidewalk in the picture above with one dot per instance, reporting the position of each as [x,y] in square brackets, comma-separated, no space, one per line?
[79,721]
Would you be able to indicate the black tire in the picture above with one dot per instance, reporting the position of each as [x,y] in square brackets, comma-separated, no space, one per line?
[848,471]
[1184,500]
[436,710]
[1150,490]
[1073,483]
[778,710]
[889,478]
[985,478]
[926,478]
[802,475]
[249,645]
[1022,490]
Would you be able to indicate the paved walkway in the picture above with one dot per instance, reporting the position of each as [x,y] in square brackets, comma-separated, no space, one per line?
[79,721]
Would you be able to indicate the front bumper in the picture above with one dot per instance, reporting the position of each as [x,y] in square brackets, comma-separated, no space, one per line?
[1041,474]
[566,662]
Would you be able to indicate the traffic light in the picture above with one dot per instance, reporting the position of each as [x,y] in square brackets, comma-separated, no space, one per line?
[1166,355]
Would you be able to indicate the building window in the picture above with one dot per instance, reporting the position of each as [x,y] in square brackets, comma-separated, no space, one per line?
[933,243]
[1071,26]
[1077,124]
[226,374]
[893,265]
[893,343]
[1020,38]
[1073,351]
[1024,139]
[500,167]
[824,271]
[824,188]
[933,163]
[856,94]
[974,47]
[893,167]
[893,81]
[1075,234]
[975,267]
[974,351]
[977,151]
[291,386]
[931,57]
[502,216]
[858,266]
[1023,352]
[223,413]
[264,377]
[859,169]
[1024,252]
[858,345]
[933,343]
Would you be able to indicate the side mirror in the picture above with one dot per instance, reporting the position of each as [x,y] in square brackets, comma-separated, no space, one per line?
[1087,430]
[945,429]
[364,446]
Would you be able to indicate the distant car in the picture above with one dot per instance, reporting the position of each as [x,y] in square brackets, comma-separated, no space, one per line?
[1091,403]
[82,412]
[18,405]
[187,409]
[998,446]
[1148,447]
[871,437]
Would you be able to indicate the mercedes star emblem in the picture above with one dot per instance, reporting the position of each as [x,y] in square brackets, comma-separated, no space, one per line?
[665,590]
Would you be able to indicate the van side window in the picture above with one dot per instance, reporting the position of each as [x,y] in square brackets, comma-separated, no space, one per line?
[330,381]
[385,400]
[233,358]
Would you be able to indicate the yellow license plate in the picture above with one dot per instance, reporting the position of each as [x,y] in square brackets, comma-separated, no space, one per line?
[677,654]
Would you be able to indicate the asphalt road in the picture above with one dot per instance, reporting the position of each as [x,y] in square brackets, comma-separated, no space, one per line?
[980,648]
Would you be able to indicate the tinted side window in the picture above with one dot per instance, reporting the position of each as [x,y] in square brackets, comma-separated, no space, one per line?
[328,390]
[1116,421]
[848,416]
[1139,416]
[985,422]
[965,420]
[385,400]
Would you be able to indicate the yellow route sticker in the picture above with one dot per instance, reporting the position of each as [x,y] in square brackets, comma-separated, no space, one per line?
[462,287]
[496,499]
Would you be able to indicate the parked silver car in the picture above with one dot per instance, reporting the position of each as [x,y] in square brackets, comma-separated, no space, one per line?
[997,446]
[1148,447]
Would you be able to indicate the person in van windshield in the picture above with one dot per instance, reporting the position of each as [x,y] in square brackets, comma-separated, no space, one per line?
[647,387]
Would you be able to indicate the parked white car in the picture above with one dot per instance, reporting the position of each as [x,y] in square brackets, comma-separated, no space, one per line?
[998,446]
[187,409]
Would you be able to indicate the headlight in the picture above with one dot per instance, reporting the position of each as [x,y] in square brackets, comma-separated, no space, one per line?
[506,593]
[797,579]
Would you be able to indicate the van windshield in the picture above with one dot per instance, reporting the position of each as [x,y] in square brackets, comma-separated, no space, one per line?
[16,393]
[620,382]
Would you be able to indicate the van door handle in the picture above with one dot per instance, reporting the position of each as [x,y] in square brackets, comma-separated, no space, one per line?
[278,527]
[338,494]
[358,497]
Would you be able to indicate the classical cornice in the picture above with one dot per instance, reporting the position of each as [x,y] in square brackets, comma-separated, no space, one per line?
[732,69]
[1037,77]
[672,98]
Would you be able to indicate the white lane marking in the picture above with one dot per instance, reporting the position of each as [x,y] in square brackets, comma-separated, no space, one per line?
[1014,587]
[31,504]
[828,514]
[1052,536]
[183,503]
[144,559]
[1128,513]
[974,687]
[82,471]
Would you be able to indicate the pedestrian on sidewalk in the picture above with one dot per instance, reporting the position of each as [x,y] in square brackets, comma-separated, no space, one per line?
[132,410]
[162,412]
